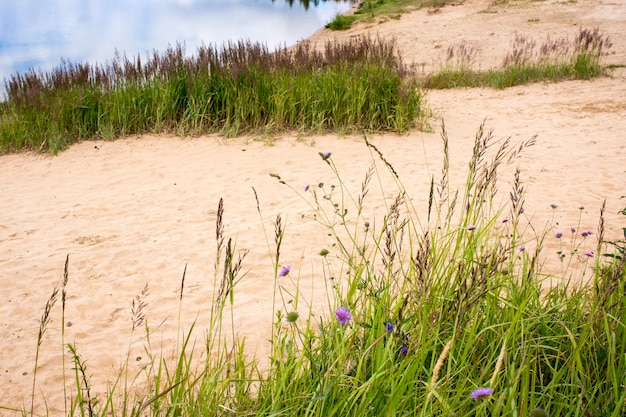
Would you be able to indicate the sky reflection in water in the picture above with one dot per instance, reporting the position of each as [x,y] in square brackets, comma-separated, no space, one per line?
[38,33]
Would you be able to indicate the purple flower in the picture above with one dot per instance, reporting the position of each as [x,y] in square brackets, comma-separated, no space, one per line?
[343,315]
[481,392]
[505,220]
[306,187]
[471,227]
[553,205]
[587,233]
[558,235]
[404,350]
[589,254]
[572,229]
[285,271]
[389,327]
[521,210]
[522,248]
[325,155]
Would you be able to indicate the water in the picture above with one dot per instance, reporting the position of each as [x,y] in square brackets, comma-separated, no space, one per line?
[39,33]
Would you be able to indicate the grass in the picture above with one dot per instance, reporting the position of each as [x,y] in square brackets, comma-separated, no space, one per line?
[554,60]
[440,313]
[240,88]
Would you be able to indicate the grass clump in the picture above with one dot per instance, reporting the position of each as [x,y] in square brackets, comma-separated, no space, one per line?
[240,88]
[341,22]
[445,313]
[554,60]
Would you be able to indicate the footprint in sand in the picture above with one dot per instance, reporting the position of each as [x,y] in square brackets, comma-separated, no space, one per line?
[115,314]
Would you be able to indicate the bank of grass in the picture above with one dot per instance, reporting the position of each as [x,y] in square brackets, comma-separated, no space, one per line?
[239,88]
[448,314]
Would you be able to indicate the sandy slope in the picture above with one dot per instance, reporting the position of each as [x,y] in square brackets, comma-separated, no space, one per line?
[138,210]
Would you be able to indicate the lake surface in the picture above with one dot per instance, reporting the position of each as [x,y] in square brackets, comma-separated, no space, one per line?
[39,33]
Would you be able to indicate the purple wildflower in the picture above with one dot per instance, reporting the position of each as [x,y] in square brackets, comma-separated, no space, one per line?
[471,227]
[522,248]
[404,350]
[389,326]
[285,271]
[521,210]
[586,233]
[481,392]
[553,205]
[306,187]
[325,155]
[558,235]
[572,229]
[343,315]
[589,254]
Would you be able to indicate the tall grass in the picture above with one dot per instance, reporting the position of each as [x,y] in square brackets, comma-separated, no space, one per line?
[443,314]
[241,87]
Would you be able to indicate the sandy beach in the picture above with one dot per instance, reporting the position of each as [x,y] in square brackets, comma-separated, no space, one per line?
[137,211]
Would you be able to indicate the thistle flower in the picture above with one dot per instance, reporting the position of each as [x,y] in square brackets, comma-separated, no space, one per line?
[325,155]
[553,205]
[572,229]
[285,271]
[481,392]
[586,233]
[558,235]
[292,316]
[343,315]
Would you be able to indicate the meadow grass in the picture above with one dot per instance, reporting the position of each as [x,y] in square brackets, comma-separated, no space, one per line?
[446,313]
[239,88]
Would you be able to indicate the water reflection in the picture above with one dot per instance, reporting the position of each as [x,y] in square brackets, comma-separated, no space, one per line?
[38,33]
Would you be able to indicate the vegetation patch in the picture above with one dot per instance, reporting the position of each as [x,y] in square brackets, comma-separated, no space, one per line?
[372,9]
[240,88]
[553,60]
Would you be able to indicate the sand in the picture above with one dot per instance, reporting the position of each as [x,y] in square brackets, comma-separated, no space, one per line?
[139,210]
